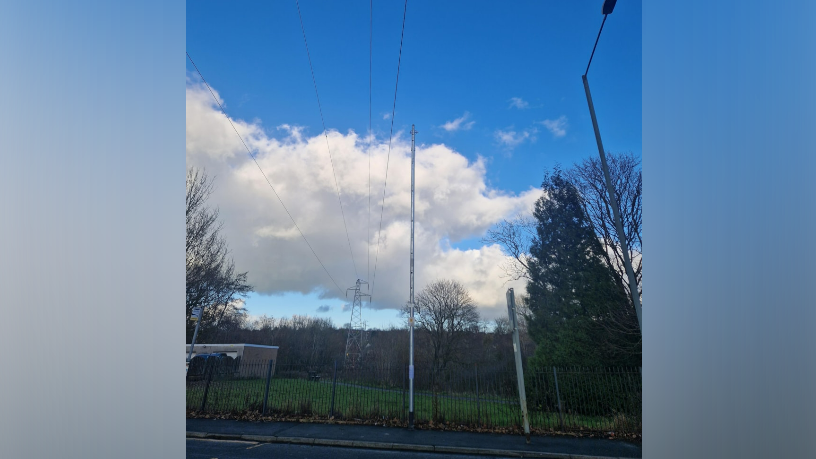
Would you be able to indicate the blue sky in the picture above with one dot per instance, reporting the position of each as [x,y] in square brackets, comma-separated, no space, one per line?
[504,77]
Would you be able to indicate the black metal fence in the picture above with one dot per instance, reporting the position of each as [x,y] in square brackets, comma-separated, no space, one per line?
[558,399]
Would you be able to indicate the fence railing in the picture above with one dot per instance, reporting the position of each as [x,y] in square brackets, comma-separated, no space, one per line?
[558,399]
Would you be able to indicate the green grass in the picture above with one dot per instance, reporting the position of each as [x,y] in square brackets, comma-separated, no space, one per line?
[308,398]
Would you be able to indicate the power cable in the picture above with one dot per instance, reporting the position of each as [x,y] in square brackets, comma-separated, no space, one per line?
[370,41]
[342,292]
[388,158]
[326,135]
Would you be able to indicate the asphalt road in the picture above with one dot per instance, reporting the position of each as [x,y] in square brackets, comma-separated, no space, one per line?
[223,449]
[398,435]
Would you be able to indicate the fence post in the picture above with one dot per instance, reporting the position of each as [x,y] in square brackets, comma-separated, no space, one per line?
[334,384]
[208,371]
[403,392]
[511,310]
[268,380]
[478,405]
[558,397]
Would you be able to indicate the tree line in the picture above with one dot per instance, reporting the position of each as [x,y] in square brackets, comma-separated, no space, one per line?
[447,335]
[576,309]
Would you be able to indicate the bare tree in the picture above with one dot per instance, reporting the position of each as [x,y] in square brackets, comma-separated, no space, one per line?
[445,313]
[231,318]
[623,331]
[211,279]
[515,237]
[501,326]
[627,181]
[318,330]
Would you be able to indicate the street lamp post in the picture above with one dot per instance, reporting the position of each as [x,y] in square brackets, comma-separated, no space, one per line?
[411,319]
[608,6]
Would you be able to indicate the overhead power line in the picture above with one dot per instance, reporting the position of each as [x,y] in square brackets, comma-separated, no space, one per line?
[370,41]
[388,158]
[342,292]
[326,135]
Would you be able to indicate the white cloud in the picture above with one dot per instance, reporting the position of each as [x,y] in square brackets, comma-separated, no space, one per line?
[518,102]
[511,139]
[558,127]
[453,202]
[459,124]
[386,116]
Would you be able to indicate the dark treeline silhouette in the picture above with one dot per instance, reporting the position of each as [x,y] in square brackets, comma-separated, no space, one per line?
[317,341]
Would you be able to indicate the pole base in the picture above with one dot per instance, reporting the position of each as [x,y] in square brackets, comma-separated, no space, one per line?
[410,420]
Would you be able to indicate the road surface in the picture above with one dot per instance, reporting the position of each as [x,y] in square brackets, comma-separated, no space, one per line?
[225,449]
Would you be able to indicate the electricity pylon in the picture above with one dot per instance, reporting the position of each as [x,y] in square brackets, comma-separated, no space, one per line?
[356,332]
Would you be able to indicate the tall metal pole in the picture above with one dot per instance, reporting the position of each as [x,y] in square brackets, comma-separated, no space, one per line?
[511,310]
[195,334]
[630,273]
[411,320]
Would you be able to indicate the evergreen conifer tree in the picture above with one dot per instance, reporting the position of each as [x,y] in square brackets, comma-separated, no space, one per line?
[571,289]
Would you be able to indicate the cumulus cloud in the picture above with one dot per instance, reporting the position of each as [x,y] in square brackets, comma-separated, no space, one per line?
[460,123]
[510,138]
[518,102]
[324,308]
[453,202]
[558,127]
